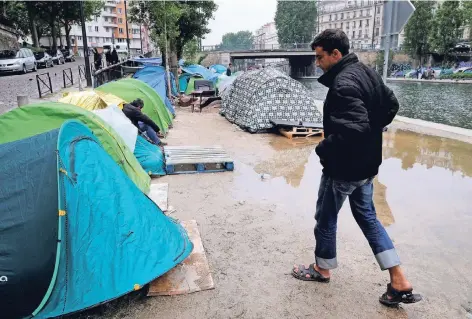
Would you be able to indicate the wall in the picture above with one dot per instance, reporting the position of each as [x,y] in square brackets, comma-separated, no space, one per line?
[8,38]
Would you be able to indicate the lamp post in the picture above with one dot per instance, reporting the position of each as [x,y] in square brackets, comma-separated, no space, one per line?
[127,31]
[88,75]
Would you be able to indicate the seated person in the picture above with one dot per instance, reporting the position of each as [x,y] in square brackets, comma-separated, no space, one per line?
[133,111]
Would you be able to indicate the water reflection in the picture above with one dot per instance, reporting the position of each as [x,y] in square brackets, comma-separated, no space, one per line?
[430,151]
[444,103]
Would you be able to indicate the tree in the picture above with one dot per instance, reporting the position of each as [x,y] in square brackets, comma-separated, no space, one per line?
[446,29]
[418,29]
[467,6]
[70,14]
[190,51]
[15,15]
[49,12]
[237,41]
[379,61]
[295,21]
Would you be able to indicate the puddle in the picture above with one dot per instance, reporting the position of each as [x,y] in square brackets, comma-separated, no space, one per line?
[421,177]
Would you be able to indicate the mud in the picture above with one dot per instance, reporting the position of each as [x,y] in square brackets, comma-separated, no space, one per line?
[257,221]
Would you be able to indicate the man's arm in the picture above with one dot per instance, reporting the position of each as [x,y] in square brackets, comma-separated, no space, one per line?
[140,116]
[389,106]
[350,121]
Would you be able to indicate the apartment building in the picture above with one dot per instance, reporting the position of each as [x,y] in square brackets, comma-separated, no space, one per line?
[108,28]
[361,20]
[266,37]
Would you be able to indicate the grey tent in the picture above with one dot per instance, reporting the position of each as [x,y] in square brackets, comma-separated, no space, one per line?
[259,96]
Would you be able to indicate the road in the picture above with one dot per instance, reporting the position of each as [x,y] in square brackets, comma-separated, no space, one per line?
[12,85]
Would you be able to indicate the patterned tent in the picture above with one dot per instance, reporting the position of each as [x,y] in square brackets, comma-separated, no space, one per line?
[259,96]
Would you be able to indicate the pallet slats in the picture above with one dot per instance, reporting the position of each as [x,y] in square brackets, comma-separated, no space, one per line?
[195,159]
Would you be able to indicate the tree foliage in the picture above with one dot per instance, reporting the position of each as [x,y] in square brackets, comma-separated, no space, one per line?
[446,28]
[295,21]
[190,51]
[241,40]
[418,28]
[467,5]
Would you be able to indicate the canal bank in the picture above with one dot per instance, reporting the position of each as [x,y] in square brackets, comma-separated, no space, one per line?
[255,228]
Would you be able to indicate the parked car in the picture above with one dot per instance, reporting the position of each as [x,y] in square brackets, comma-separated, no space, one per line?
[43,59]
[68,55]
[57,56]
[17,61]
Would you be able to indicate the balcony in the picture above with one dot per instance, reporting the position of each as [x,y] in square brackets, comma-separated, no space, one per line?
[109,14]
[111,4]
[110,25]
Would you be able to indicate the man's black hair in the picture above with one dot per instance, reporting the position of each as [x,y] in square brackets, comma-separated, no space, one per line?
[331,39]
[138,103]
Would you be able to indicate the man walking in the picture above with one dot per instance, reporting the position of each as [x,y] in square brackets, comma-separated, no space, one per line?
[357,108]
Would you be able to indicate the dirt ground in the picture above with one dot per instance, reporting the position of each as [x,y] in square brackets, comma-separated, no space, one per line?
[257,221]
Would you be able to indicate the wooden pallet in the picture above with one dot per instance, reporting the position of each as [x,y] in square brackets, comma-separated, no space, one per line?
[300,132]
[195,159]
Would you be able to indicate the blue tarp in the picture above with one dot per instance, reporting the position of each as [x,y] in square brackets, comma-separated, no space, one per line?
[155,77]
[150,157]
[148,61]
[200,70]
[183,81]
[218,68]
[111,238]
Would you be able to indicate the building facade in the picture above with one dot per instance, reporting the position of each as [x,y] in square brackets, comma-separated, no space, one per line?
[108,28]
[361,20]
[265,37]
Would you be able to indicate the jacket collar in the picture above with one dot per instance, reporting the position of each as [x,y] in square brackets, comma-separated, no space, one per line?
[327,79]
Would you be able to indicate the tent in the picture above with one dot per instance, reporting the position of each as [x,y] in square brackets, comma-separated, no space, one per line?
[33,119]
[155,77]
[256,97]
[192,73]
[76,231]
[131,89]
[186,82]
[150,156]
[218,68]
[147,61]
[92,100]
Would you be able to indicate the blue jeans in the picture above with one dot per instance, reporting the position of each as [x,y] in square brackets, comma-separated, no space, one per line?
[149,132]
[331,196]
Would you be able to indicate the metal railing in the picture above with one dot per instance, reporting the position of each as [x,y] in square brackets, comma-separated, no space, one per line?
[259,47]
[43,81]
[110,73]
[67,77]
[82,72]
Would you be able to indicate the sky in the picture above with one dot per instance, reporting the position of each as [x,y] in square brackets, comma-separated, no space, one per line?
[239,15]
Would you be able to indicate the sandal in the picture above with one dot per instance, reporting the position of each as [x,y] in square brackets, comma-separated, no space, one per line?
[314,275]
[393,297]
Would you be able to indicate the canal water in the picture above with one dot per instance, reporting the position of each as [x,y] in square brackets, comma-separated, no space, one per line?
[444,103]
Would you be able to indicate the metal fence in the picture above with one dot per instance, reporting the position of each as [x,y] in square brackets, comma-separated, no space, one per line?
[67,77]
[43,81]
[110,73]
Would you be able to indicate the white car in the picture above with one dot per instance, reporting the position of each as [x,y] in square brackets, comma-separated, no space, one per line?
[21,60]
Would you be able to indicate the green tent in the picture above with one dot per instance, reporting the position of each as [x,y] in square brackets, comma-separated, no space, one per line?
[131,89]
[191,84]
[34,119]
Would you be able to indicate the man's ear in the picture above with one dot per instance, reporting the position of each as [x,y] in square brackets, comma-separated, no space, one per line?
[337,54]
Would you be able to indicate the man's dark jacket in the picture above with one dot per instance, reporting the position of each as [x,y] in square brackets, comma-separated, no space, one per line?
[357,108]
[135,115]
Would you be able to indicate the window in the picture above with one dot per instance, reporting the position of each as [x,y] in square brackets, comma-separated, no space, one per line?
[362,13]
[348,15]
[342,25]
[355,14]
[89,39]
[96,28]
[97,39]
[378,10]
[329,26]
[347,25]
[353,34]
[377,20]
[107,29]
[360,33]
[120,30]
[121,40]
[335,25]
[96,19]
[79,38]
[120,20]
[329,17]
[366,23]
[353,24]
[336,16]
[119,10]
[342,16]
[360,23]
[89,28]
[368,12]
[106,19]
[377,31]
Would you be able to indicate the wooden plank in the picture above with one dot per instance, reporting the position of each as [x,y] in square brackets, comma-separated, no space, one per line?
[158,194]
[285,124]
[298,132]
[192,275]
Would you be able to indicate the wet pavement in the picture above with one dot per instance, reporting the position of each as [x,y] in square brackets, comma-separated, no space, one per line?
[257,221]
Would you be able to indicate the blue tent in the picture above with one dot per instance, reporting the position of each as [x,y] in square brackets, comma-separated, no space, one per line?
[148,61]
[200,70]
[75,228]
[150,157]
[155,77]
[218,68]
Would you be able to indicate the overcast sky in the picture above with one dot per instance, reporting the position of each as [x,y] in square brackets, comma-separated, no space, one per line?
[239,15]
